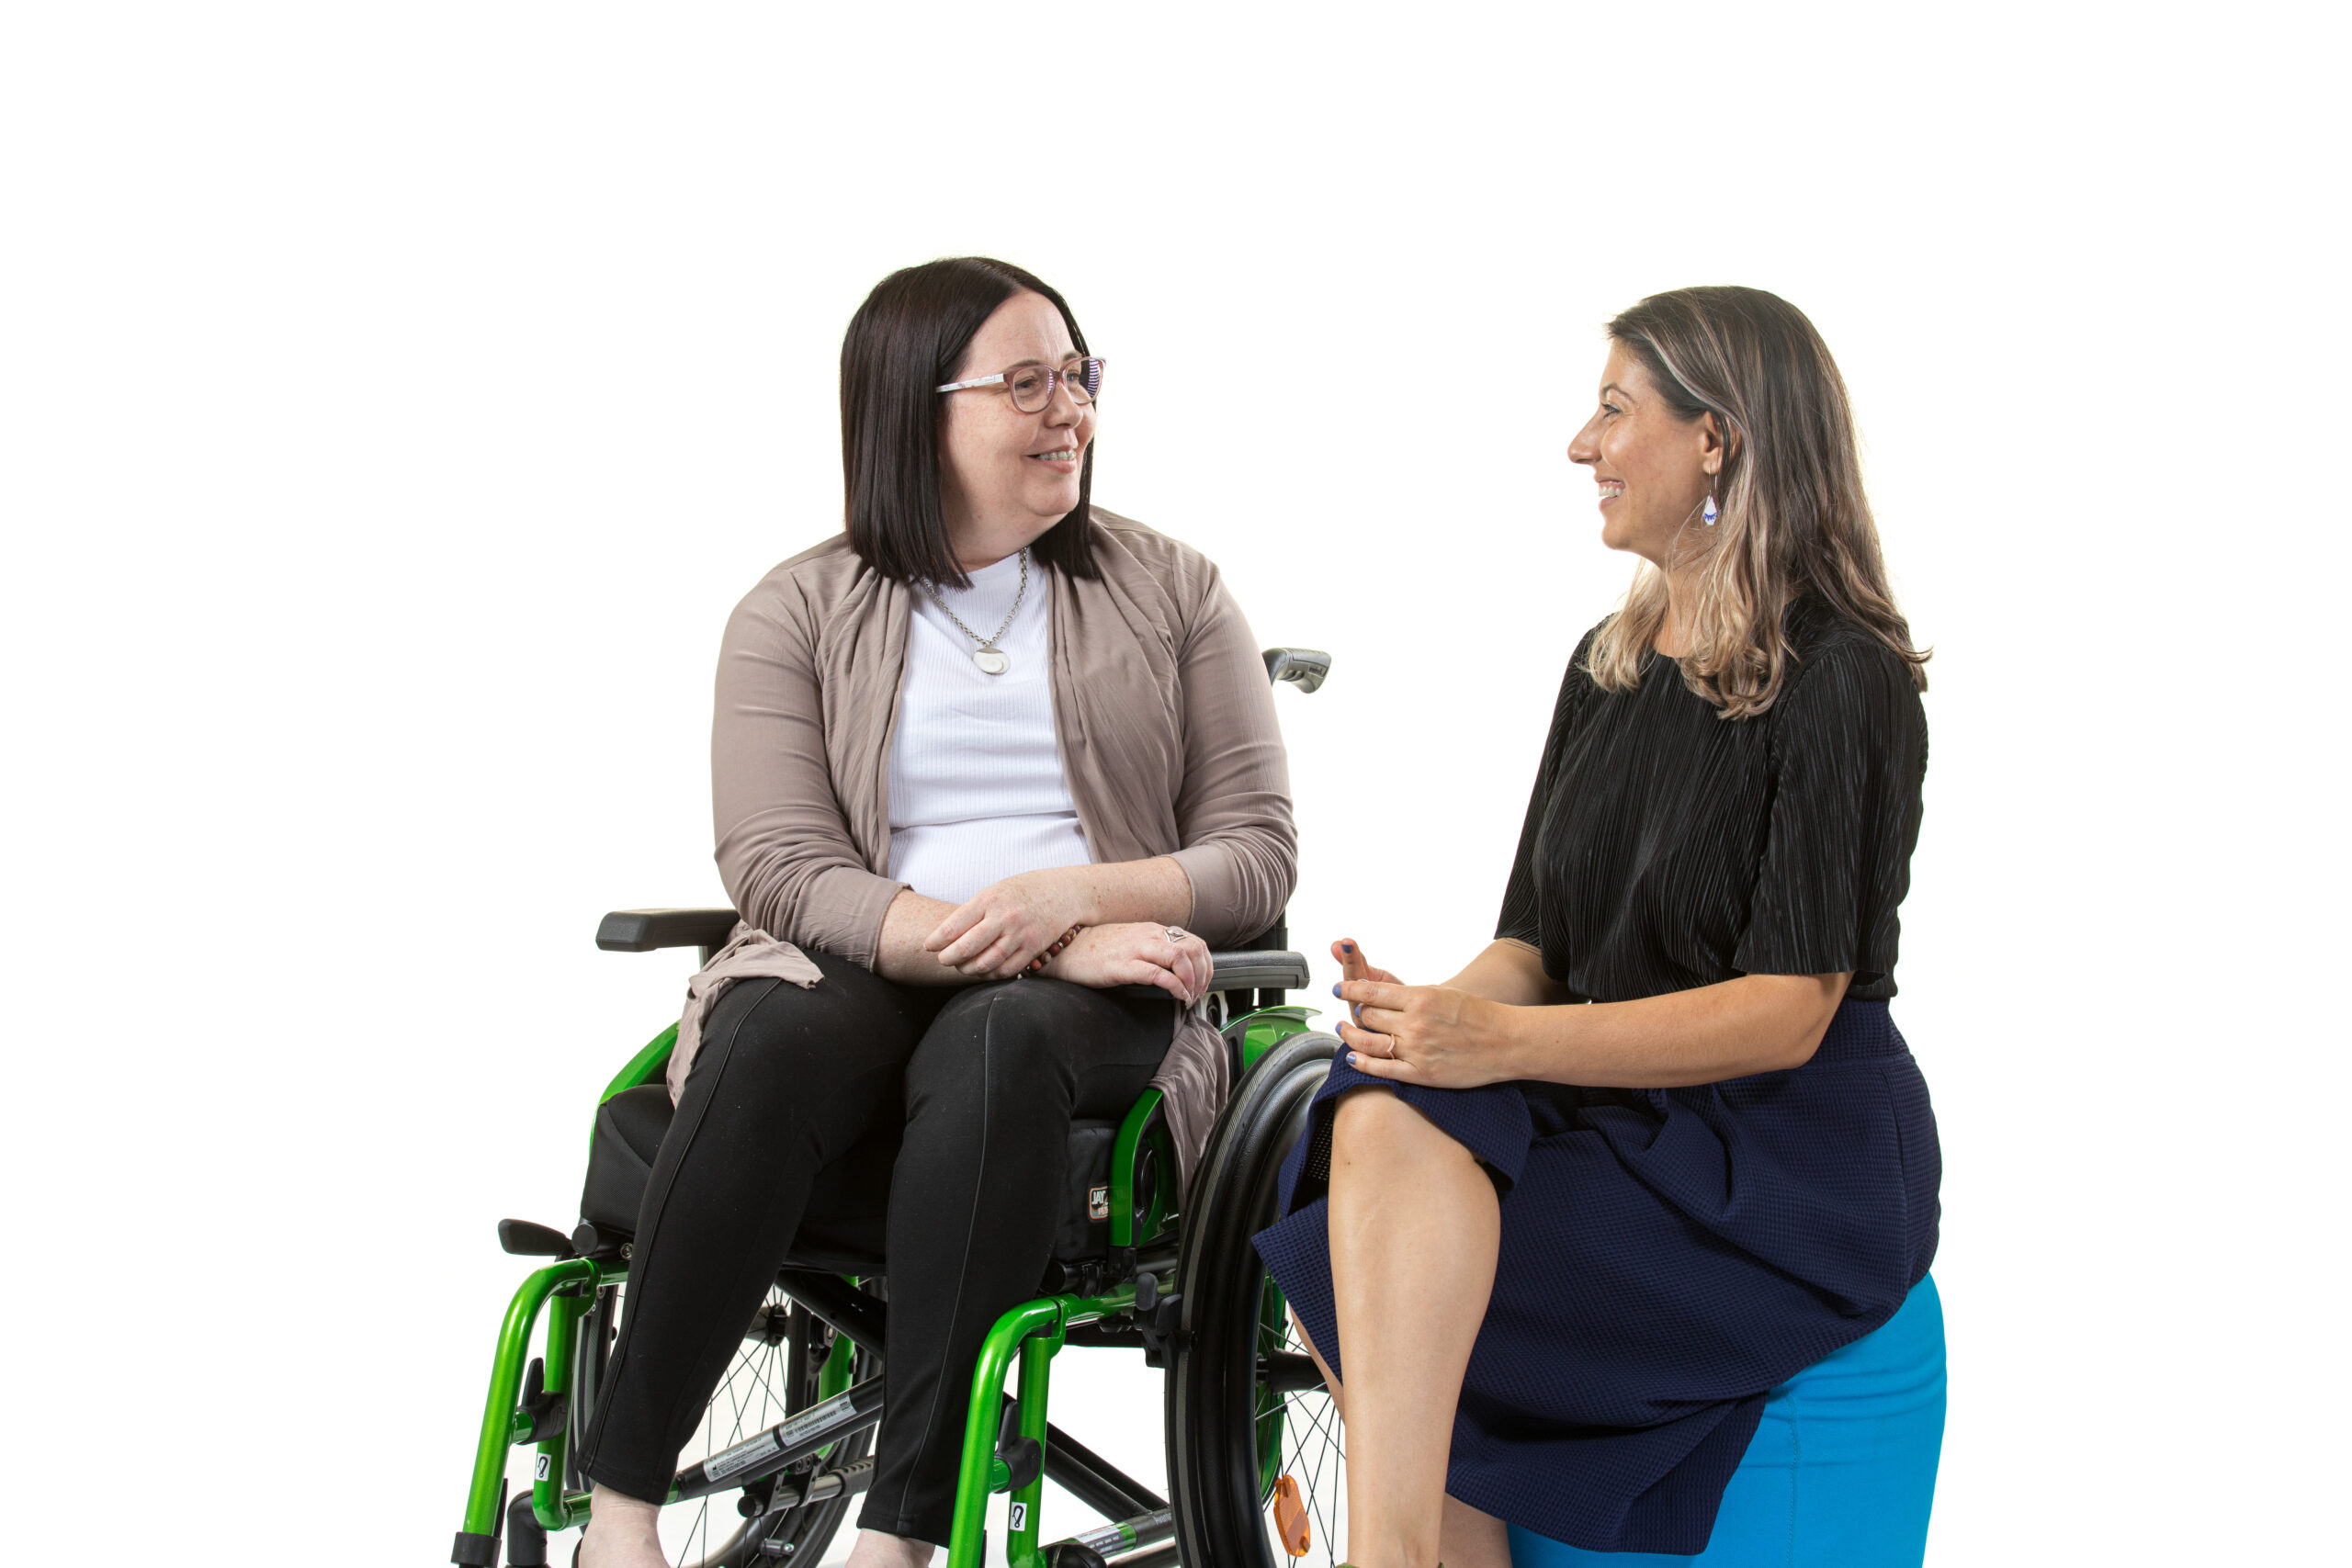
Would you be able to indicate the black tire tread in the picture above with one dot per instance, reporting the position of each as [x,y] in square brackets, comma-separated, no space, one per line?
[1213,1366]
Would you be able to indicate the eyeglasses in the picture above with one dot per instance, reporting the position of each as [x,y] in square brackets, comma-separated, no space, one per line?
[1032,386]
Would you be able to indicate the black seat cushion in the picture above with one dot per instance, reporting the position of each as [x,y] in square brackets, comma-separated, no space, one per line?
[620,1156]
[843,1232]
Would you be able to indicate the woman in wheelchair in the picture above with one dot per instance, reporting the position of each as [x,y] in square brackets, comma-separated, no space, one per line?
[1573,1216]
[986,768]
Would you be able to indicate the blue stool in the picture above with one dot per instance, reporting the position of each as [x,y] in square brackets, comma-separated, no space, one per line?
[1842,1471]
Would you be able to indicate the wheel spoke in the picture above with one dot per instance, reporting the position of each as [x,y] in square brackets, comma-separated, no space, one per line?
[1325,1465]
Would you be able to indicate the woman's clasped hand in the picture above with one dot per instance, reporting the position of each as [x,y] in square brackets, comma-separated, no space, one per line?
[1137,954]
[995,935]
[1420,1035]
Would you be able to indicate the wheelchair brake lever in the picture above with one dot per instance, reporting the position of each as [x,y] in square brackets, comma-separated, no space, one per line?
[1156,1321]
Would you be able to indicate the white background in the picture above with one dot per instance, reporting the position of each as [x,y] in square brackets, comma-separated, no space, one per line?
[394,399]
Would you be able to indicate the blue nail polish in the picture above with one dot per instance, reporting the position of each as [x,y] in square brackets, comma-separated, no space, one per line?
[1335,990]
[1355,1060]
[1347,947]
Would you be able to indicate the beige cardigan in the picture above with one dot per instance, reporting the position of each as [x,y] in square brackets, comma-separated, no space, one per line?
[1162,715]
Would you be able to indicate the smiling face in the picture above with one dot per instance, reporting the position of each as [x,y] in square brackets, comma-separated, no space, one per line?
[1654,467]
[1007,475]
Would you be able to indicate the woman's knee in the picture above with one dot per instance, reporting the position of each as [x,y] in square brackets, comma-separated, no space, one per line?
[1368,1113]
[1372,1121]
[808,1040]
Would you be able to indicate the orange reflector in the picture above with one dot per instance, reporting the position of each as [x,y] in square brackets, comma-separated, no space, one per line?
[1290,1517]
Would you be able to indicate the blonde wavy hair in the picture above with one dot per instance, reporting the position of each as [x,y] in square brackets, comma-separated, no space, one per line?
[1792,519]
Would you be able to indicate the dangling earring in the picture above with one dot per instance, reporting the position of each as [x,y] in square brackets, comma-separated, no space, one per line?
[1710,514]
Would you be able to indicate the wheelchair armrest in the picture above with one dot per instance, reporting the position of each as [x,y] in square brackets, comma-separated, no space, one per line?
[1257,972]
[643,931]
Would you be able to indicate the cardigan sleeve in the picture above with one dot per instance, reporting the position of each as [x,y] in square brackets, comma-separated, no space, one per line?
[785,850]
[1233,811]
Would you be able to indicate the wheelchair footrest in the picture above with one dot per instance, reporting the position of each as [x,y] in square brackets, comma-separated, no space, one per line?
[789,1442]
[784,1493]
[1096,1548]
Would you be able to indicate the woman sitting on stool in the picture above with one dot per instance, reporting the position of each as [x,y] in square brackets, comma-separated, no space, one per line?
[990,759]
[1572,1215]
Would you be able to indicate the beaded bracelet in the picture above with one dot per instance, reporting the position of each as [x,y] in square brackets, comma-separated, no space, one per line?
[1047,956]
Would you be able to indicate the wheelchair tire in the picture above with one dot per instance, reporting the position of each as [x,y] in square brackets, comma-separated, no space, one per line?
[755,1393]
[1236,1418]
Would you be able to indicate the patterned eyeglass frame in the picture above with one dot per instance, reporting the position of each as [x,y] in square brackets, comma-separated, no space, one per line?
[1091,387]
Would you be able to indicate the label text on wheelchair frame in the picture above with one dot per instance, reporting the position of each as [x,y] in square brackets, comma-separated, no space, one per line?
[752,1450]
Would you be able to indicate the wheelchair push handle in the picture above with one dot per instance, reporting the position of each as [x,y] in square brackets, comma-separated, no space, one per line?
[1305,668]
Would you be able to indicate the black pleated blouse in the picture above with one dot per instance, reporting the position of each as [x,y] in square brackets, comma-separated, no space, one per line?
[1665,847]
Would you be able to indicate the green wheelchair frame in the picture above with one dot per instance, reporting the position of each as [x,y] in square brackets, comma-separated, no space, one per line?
[1008,1445]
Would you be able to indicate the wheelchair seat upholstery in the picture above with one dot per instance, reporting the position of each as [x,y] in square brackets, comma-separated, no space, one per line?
[843,1231]
[621,1154]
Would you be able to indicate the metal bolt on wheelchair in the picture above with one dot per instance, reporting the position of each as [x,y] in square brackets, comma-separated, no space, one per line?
[1255,1471]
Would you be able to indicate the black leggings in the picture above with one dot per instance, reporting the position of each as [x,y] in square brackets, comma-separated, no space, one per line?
[928,1125]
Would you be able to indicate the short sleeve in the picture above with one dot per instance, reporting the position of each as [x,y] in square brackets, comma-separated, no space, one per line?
[1849,754]
[1521,918]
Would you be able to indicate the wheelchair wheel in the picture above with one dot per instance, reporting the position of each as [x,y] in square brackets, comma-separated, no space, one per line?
[776,1373]
[1246,1408]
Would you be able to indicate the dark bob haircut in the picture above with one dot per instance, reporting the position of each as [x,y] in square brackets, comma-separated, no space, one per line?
[909,337]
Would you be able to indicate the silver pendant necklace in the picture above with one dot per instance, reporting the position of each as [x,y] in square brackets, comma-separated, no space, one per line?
[992,660]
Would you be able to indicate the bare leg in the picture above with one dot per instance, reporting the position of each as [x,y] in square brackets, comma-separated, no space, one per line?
[1415,1232]
[1466,1538]
[1330,1378]
[620,1532]
[876,1549]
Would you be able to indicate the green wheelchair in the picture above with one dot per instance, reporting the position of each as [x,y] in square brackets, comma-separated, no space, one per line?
[1254,1460]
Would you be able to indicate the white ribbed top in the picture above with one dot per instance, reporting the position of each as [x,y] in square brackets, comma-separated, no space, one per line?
[977,791]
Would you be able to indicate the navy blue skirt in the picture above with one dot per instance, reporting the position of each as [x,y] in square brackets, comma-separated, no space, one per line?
[1668,1258]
